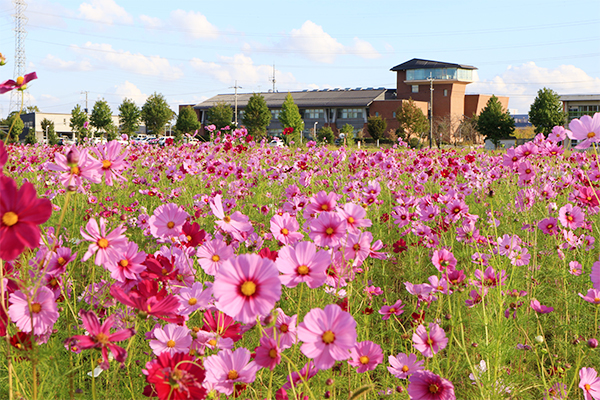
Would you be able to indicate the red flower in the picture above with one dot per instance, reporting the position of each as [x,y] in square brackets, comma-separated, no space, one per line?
[20,214]
[149,301]
[175,377]
[223,326]
[267,253]
[19,84]
[193,234]
[288,130]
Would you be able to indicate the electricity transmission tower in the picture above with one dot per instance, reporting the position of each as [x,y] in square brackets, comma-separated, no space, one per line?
[20,34]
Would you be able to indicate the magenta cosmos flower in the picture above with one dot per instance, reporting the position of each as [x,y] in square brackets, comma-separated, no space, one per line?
[537,307]
[108,247]
[99,337]
[589,382]
[429,343]
[395,309]
[226,368]
[19,84]
[443,259]
[570,216]
[285,229]
[365,356]
[328,229]
[172,338]
[303,264]
[402,366]
[113,162]
[425,385]
[592,296]
[285,330]
[20,214]
[586,129]
[268,354]
[247,286]
[42,314]
[328,335]
[167,221]
[174,377]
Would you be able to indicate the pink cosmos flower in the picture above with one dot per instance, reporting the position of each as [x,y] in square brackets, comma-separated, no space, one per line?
[589,381]
[172,339]
[357,246]
[549,226]
[354,216]
[19,84]
[429,343]
[211,255]
[308,371]
[268,354]
[194,298]
[402,366]
[113,162]
[285,330]
[129,266]
[558,134]
[167,221]
[321,202]
[108,248]
[303,263]
[592,296]
[519,256]
[537,307]
[327,229]
[586,129]
[595,275]
[226,368]
[328,335]
[247,286]
[99,337]
[570,216]
[42,314]
[76,165]
[285,229]
[575,268]
[59,260]
[425,385]
[235,223]
[395,309]
[443,259]
[365,356]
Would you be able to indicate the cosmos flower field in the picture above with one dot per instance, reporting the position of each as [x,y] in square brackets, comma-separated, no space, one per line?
[237,270]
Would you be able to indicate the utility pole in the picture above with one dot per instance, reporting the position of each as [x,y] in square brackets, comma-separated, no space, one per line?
[86,100]
[236,112]
[430,79]
[273,78]
[20,61]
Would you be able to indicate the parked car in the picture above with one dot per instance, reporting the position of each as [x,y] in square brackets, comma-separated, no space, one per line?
[276,142]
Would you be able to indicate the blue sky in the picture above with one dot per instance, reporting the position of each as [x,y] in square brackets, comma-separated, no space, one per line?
[192,50]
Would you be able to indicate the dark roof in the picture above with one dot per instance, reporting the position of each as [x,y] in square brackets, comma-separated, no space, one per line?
[306,99]
[417,63]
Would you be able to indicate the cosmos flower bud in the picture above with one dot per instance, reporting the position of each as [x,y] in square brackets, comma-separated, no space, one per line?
[73,157]
[592,343]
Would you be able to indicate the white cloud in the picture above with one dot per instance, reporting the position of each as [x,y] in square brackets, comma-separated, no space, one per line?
[193,24]
[151,22]
[128,90]
[363,49]
[242,68]
[136,63]
[53,62]
[314,42]
[104,11]
[522,82]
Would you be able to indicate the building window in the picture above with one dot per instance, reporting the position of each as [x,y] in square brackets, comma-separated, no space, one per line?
[275,114]
[314,113]
[350,113]
[445,92]
[394,114]
[415,88]
[377,114]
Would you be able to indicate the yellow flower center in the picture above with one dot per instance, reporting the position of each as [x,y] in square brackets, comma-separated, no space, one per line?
[227,219]
[10,218]
[215,258]
[328,337]
[123,263]
[75,170]
[591,135]
[192,301]
[351,220]
[356,247]
[20,81]
[212,342]
[324,207]
[61,261]
[596,299]
[284,328]
[364,360]
[405,368]
[433,388]
[273,353]
[170,224]
[429,341]
[587,387]
[102,243]
[329,231]
[248,288]
[36,308]
[302,270]
[171,344]
[392,310]
[232,374]
[106,164]
[284,232]
[102,338]
[189,238]
[164,271]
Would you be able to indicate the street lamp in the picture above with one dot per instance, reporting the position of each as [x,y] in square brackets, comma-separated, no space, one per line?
[315,129]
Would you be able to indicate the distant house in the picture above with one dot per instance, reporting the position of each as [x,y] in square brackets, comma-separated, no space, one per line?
[578,105]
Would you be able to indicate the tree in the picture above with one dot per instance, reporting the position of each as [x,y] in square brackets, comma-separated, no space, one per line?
[348,131]
[49,132]
[411,120]
[325,135]
[376,127]
[129,117]
[30,138]
[546,111]
[220,115]
[31,109]
[156,113]
[15,127]
[494,123]
[77,122]
[257,116]
[187,122]
[289,117]
[101,117]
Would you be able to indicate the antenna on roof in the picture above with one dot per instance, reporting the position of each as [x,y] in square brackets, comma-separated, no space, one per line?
[272,78]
